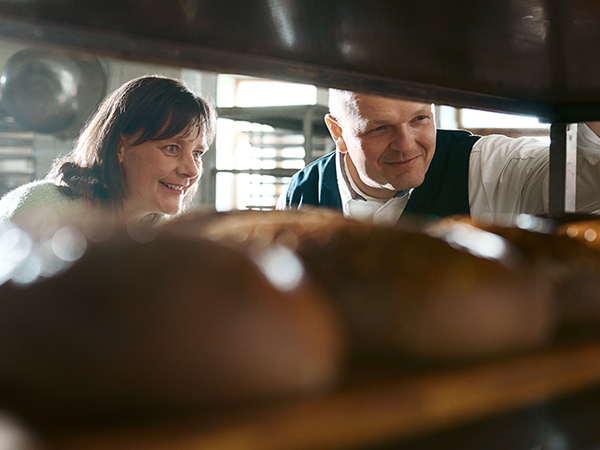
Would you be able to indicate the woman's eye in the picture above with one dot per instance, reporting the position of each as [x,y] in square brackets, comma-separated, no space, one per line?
[198,155]
[171,148]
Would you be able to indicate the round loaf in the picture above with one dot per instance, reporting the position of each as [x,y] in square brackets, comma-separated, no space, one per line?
[163,324]
[585,231]
[402,291]
[564,254]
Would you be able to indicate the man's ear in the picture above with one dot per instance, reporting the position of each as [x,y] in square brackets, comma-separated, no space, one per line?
[121,149]
[336,132]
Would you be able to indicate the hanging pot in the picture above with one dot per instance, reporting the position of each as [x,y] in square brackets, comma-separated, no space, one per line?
[51,91]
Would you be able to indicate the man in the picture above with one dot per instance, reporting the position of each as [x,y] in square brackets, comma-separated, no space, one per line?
[391,159]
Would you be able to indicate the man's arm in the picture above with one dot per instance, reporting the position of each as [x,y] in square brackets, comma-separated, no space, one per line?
[510,176]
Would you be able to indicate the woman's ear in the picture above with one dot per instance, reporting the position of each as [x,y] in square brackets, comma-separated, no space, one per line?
[121,149]
[336,132]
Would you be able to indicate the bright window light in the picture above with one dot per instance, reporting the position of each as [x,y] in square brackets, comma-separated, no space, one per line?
[274,93]
[474,118]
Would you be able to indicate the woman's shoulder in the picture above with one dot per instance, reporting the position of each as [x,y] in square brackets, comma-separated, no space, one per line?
[38,186]
[35,191]
[40,193]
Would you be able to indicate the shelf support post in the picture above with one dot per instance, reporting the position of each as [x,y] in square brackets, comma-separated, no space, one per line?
[307,130]
[563,168]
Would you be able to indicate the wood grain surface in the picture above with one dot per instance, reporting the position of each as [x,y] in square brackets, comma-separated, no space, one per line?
[369,412]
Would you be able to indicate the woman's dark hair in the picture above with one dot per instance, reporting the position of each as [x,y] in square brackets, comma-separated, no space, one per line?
[155,106]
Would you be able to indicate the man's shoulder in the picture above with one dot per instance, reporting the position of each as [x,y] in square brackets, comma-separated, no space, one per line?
[454,136]
[316,184]
[459,133]
[317,166]
[454,143]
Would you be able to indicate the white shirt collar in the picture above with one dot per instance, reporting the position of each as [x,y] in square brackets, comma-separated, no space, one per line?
[358,205]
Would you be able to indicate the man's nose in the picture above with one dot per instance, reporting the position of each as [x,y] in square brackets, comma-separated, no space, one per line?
[403,139]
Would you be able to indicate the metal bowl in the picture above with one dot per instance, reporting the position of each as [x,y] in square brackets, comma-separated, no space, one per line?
[51,91]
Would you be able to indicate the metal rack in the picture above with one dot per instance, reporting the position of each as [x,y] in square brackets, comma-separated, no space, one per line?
[274,156]
[17,156]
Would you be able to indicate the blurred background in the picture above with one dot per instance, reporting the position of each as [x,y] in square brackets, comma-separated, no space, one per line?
[267,130]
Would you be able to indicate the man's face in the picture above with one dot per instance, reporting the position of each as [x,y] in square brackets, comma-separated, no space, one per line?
[389,142]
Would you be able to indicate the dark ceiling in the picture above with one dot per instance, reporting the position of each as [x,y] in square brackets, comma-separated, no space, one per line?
[524,56]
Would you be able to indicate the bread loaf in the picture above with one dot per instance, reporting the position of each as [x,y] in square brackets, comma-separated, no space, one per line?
[400,291]
[560,253]
[585,231]
[168,323]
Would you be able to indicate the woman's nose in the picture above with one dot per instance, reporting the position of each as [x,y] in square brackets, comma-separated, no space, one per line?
[189,166]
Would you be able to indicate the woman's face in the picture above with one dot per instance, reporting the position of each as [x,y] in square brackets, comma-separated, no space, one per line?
[158,174]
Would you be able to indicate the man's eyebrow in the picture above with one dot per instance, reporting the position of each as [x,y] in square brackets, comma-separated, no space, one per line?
[424,110]
[376,121]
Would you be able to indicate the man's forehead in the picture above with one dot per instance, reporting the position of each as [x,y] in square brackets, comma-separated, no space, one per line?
[375,103]
[363,109]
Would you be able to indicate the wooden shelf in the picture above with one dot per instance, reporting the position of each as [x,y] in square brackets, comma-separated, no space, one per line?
[529,57]
[388,406]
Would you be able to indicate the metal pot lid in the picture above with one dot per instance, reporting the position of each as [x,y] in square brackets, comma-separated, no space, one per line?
[51,91]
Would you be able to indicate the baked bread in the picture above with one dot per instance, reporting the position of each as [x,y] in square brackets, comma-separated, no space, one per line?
[560,253]
[399,291]
[165,324]
[585,231]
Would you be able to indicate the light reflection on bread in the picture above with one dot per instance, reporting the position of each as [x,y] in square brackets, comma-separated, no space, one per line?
[402,289]
[560,253]
[167,323]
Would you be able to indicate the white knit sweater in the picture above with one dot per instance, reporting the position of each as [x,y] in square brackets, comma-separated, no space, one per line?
[42,195]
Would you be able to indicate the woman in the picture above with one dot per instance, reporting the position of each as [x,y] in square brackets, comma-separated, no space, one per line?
[118,327]
[137,159]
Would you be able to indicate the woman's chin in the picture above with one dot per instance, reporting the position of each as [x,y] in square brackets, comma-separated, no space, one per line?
[170,211]
[137,214]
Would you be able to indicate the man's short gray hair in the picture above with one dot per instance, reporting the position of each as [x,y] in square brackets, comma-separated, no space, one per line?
[342,104]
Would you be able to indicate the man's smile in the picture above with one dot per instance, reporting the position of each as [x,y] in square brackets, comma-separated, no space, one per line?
[403,163]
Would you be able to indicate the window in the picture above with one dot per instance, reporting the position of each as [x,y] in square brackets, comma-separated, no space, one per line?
[487,122]
[267,131]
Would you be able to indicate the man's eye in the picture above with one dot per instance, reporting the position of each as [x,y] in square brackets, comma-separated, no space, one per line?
[172,148]
[198,155]
[420,117]
[380,128]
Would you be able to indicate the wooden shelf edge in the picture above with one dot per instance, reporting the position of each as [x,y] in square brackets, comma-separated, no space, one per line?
[401,408]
